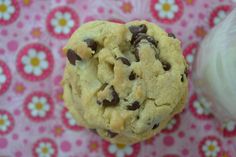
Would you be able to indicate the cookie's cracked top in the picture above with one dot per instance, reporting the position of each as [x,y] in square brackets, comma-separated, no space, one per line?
[124,80]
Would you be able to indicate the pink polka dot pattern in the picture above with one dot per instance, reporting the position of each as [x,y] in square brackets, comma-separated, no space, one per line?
[168,141]
[3,143]
[33,119]
[65,146]
[18,154]
[12,45]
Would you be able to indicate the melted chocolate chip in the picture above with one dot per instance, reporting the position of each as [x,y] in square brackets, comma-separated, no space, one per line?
[136,54]
[182,77]
[115,98]
[111,134]
[134,106]
[155,126]
[186,72]
[72,56]
[138,29]
[171,35]
[142,36]
[166,66]
[91,44]
[132,76]
[124,60]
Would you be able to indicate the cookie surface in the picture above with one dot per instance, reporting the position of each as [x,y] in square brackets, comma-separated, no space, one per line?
[124,80]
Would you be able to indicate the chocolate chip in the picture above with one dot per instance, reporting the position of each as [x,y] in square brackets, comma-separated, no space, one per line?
[111,134]
[72,56]
[94,131]
[155,126]
[186,72]
[115,98]
[124,60]
[132,76]
[138,29]
[125,99]
[70,86]
[166,66]
[152,40]
[103,86]
[171,35]
[182,77]
[142,36]
[137,117]
[91,44]
[134,106]
[99,102]
[136,54]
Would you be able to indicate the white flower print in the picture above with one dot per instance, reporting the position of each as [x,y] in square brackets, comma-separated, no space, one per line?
[2,77]
[167,8]
[71,120]
[211,148]
[62,22]
[34,62]
[171,124]
[4,122]
[120,150]
[220,16]
[200,108]
[38,106]
[6,9]
[45,149]
[230,125]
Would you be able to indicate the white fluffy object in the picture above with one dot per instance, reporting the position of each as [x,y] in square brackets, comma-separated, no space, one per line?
[215,69]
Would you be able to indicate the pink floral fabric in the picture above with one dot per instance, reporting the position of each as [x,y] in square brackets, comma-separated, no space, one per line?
[33,120]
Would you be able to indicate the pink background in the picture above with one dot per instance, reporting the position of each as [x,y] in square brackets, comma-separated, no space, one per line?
[29,27]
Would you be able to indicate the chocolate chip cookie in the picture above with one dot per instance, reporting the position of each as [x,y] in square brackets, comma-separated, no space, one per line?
[124,81]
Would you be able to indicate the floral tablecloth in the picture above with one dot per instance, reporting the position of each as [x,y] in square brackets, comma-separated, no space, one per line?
[33,120]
